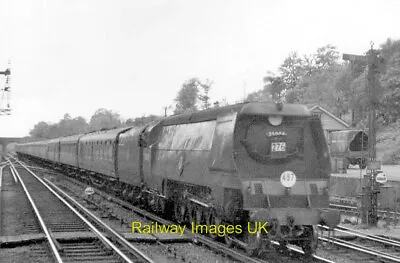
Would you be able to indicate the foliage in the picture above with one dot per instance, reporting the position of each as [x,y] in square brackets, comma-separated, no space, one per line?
[390,81]
[203,96]
[187,96]
[194,95]
[261,95]
[221,103]
[40,130]
[104,119]
[141,121]
[340,87]
[276,86]
[292,69]
[65,127]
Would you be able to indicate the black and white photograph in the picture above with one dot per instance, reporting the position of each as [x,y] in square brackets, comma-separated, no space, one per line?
[196,131]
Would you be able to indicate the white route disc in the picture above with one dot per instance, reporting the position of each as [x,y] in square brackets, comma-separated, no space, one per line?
[288,179]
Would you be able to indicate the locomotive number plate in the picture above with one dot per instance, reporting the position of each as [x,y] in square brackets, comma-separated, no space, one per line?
[278,147]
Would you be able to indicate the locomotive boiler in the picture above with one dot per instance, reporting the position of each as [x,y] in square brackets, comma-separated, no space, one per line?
[250,162]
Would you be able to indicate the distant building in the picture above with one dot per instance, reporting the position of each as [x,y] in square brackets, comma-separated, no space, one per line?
[329,121]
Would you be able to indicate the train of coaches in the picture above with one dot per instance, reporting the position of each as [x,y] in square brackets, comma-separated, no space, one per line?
[242,163]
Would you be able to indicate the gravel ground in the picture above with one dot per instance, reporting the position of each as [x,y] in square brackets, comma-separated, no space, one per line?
[17,213]
[33,254]
[182,252]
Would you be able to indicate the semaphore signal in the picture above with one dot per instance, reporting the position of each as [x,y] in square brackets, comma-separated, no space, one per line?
[5,108]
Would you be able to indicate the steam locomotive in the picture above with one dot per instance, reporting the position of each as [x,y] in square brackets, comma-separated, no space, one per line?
[249,162]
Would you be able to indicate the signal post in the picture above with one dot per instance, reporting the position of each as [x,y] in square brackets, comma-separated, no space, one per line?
[6,90]
[370,188]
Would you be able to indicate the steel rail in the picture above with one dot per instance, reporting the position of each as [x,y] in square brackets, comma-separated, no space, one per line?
[1,175]
[344,206]
[92,227]
[365,236]
[12,171]
[394,213]
[39,217]
[359,248]
[302,252]
[1,201]
[369,237]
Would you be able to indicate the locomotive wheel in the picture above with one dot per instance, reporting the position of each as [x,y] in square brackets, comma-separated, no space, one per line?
[310,244]
[228,240]
[179,211]
[151,202]
[124,193]
[191,213]
[161,205]
[133,196]
[212,219]
[199,215]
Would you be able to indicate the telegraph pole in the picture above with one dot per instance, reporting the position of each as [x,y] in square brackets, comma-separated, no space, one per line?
[369,200]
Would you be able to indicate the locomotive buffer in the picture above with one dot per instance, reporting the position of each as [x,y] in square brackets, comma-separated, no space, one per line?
[370,189]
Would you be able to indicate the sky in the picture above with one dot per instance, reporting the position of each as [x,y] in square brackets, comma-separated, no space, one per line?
[132,57]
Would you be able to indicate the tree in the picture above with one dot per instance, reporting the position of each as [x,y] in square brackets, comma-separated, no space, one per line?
[78,125]
[40,130]
[261,95]
[321,72]
[275,86]
[347,98]
[320,87]
[292,70]
[221,103]
[129,122]
[65,125]
[203,96]
[104,119]
[326,57]
[141,121]
[187,96]
[390,81]
[68,126]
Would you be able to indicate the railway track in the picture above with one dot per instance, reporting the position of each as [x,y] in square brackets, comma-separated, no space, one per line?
[235,254]
[382,214]
[375,247]
[368,248]
[71,232]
